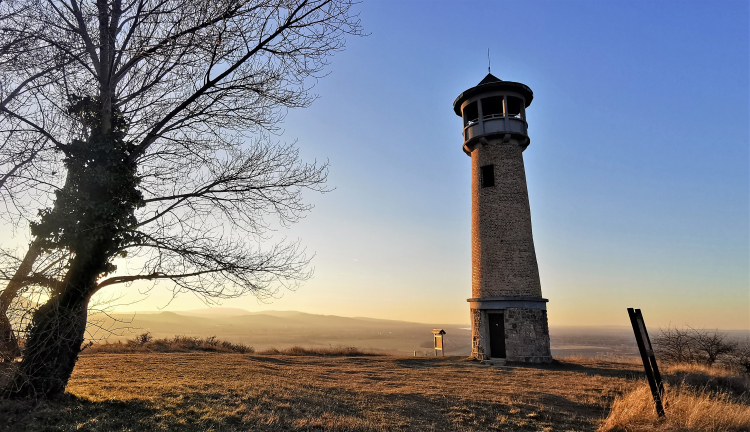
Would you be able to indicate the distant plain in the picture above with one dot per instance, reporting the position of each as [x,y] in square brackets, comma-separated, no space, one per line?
[284,329]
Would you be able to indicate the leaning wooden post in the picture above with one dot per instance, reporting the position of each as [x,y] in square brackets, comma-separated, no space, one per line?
[648,358]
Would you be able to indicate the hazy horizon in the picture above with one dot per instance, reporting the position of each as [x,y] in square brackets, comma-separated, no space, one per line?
[227,312]
[285,329]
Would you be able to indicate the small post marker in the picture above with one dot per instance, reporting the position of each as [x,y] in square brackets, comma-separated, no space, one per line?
[648,358]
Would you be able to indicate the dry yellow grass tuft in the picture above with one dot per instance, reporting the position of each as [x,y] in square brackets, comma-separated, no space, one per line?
[696,368]
[686,410]
[709,379]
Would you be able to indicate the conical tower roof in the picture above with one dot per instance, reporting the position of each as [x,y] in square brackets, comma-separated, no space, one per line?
[491,83]
[489,79]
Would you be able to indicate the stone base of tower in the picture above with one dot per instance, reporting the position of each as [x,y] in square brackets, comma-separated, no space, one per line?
[517,334]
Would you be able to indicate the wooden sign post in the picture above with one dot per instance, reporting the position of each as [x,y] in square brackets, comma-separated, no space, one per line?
[648,358]
[438,338]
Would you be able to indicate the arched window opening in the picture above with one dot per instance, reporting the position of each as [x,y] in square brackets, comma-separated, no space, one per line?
[492,107]
[471,114]
[514,107]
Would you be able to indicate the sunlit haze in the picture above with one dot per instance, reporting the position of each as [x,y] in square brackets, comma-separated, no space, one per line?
[637,169]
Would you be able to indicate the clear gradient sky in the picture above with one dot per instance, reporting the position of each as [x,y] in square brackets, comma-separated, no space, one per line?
[637,168]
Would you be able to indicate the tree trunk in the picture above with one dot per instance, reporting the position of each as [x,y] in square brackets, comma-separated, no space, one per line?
[8,344]
[58,331]
[51,352]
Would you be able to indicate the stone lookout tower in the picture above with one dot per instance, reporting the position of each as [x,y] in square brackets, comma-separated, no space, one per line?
[508,313]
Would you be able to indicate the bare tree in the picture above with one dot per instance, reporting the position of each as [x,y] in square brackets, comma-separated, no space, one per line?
[740,357]
[691,345]
[148,127]
[675,345]
[711,345]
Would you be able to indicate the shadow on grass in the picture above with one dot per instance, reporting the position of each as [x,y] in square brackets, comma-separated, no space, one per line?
[417,363]
[71,413]
[602,368]
[310,409]
[565,405]
[277,360]
[431,362]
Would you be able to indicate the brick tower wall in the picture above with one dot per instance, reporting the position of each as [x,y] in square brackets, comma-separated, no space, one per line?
[502,247]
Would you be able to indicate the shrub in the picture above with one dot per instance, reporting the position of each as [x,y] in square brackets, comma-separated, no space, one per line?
[143,339]
[146,343]
[335,351]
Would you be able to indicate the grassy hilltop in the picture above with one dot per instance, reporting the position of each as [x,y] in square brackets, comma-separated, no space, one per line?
[209,391]
[346,390]
[253,377]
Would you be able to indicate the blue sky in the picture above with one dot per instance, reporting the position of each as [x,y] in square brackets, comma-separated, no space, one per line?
[637,168]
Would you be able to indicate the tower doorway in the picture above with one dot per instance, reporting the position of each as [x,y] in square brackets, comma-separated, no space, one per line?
[497,334]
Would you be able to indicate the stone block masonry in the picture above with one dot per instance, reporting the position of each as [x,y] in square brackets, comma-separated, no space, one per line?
[477,338]
[527,336]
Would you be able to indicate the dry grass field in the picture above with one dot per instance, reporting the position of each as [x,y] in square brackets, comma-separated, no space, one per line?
[227,392]
[687,409]
[343,390]
[696,398]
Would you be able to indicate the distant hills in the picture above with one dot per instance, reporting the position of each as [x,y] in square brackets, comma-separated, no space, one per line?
[284,329]
[281,329]
[218,312]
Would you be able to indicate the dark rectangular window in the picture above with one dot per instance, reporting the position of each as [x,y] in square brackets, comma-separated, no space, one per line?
[514,106]
[471,114]
[487,176]
[492,107]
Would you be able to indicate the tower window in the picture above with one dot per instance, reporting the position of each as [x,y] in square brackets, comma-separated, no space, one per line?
[514,106]
[471,114]
[487,176]
[492,107]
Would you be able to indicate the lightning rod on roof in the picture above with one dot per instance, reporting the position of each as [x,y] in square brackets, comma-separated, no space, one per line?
[489,64]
